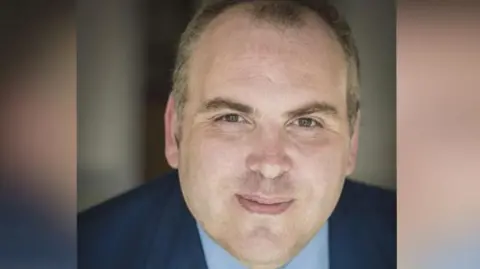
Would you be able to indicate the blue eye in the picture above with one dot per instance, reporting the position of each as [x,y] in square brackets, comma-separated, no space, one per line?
[307,123]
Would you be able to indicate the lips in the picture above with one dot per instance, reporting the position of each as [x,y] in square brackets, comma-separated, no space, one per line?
[264,205]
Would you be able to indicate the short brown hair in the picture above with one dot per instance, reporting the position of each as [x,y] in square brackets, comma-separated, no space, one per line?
[286,13]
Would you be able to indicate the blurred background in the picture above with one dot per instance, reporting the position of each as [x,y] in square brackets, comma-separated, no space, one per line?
[38,134]
[438,121]
[126,51]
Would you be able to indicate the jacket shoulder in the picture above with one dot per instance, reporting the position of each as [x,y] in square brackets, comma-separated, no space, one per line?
[123,226]
[366,217]
[368,199]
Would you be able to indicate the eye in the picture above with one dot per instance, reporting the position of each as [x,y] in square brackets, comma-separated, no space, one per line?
[230,118]
[307,123]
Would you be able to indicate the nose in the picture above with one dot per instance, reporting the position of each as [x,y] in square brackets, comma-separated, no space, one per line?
[269,156]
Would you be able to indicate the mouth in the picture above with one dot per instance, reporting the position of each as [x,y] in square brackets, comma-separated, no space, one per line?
[264,205]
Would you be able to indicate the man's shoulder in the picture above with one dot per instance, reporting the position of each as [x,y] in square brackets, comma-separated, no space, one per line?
[364,225]
[124,225]
[155,193]
[368,204]
[362,197]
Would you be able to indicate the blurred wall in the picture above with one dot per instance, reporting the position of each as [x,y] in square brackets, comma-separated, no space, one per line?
[373,23]
[165,21]
[110,98]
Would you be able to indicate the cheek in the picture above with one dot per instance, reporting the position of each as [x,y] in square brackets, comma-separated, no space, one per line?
[322,165]
[222,154]
[210,169]
[214,163]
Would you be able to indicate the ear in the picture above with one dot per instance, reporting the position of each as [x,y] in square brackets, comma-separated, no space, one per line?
[171,125]
[352,155]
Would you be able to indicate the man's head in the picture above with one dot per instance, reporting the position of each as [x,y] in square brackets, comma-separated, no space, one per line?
[262,123]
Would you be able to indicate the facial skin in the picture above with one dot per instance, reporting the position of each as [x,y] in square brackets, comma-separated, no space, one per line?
[266,116]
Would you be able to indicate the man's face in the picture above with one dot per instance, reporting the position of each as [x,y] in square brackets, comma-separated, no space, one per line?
[265,142]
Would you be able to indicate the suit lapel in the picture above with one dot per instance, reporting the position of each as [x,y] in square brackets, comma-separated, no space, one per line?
[177,244]
[350,246]
[342,251]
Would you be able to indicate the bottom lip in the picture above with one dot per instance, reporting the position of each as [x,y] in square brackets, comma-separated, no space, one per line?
[259,208]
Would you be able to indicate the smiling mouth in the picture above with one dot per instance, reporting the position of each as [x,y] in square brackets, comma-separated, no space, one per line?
[261,205]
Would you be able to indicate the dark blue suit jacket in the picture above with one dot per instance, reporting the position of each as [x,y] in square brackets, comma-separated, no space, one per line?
[151,227]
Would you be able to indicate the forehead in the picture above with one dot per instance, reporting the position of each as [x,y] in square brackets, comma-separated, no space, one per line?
[237,51]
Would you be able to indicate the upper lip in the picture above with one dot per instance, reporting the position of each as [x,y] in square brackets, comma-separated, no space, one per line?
[262,199]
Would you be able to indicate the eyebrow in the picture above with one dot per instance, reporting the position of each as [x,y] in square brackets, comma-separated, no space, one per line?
[219,103]
[313,107]
[224,103]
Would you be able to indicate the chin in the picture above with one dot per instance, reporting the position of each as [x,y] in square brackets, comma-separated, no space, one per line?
[271,256]
[261,247]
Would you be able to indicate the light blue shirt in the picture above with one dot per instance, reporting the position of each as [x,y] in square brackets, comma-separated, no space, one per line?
[312,256]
